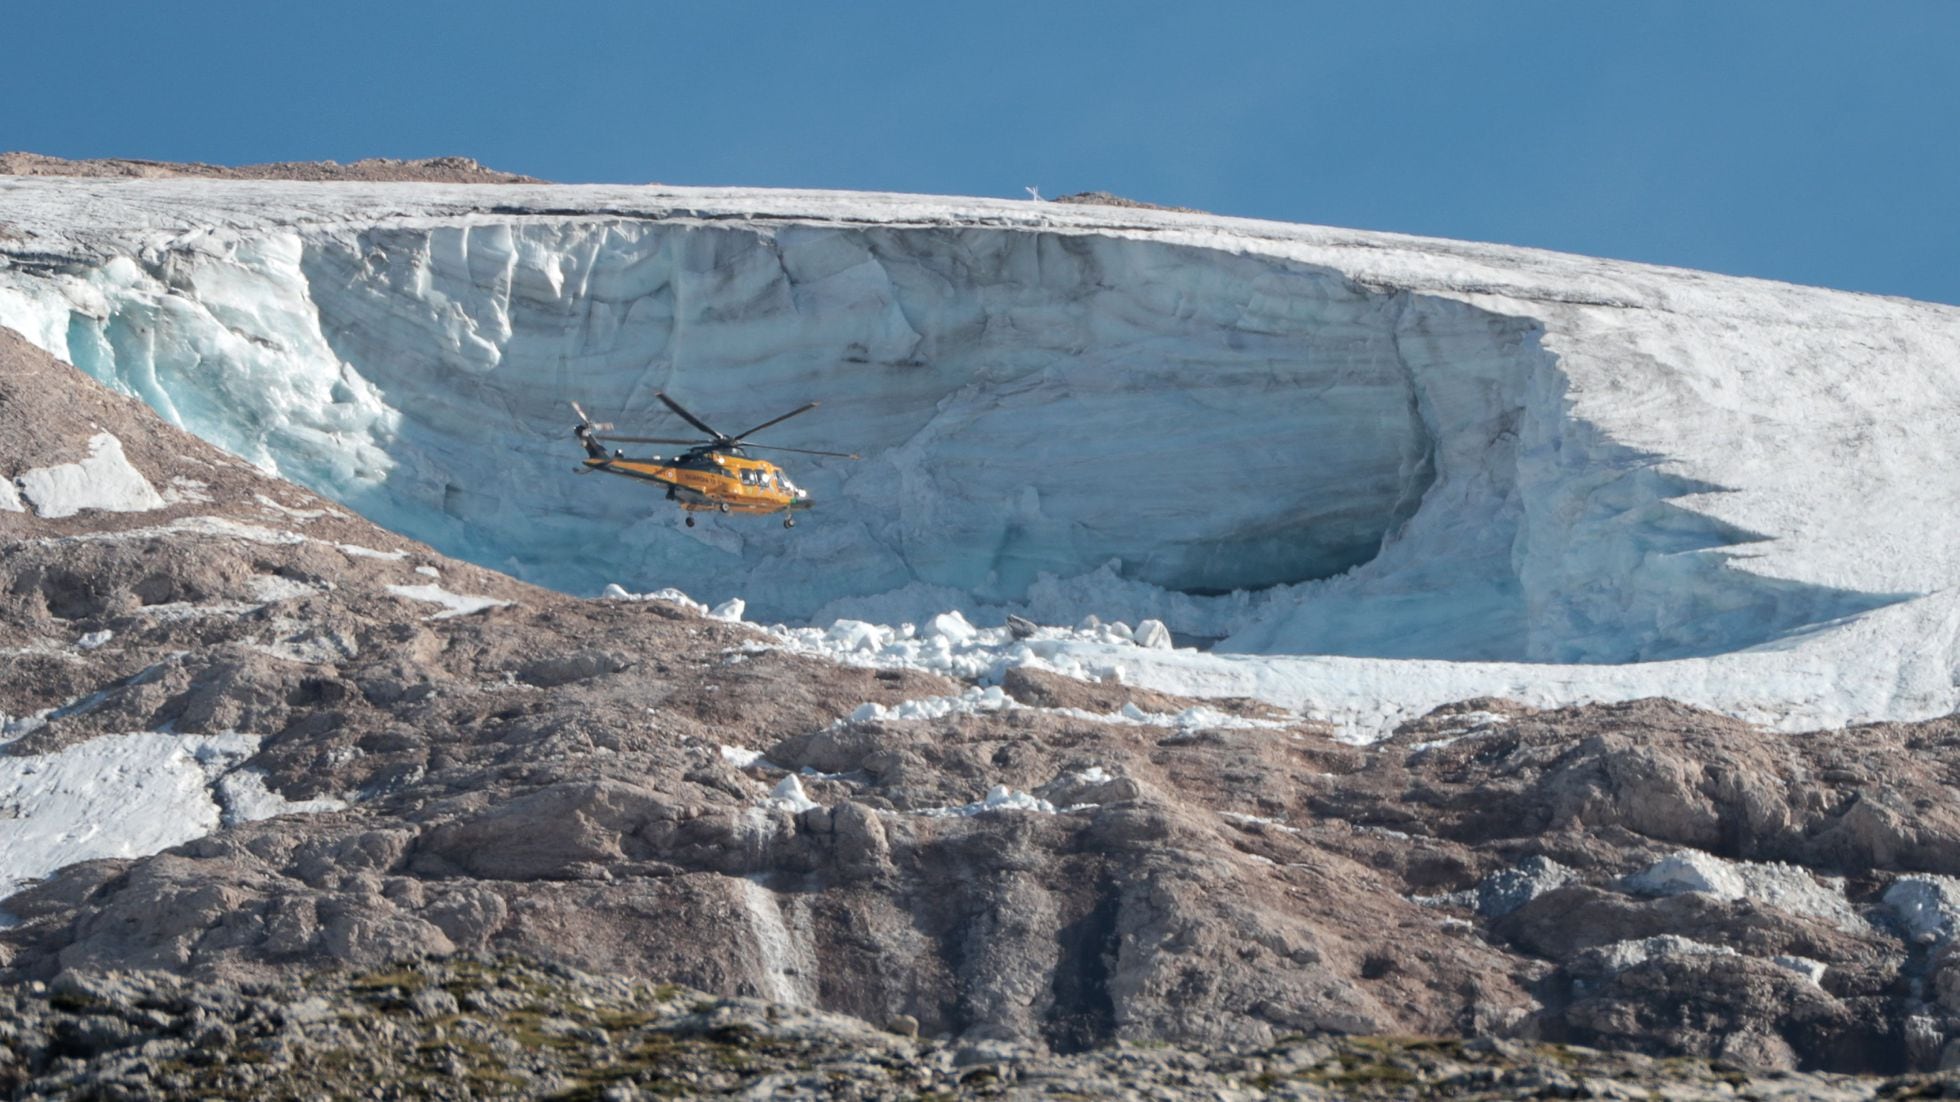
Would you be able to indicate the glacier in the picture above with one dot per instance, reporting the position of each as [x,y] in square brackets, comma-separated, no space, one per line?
[1416,467]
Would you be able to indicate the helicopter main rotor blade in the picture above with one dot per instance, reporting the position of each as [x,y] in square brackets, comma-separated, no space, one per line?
[802,451]
[587,422]
[688,417]
[777,421]
[651,440]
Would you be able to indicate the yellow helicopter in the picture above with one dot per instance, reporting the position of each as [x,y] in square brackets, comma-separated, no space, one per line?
[715,474]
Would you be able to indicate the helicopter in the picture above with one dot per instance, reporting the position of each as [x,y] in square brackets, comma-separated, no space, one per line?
[716,474]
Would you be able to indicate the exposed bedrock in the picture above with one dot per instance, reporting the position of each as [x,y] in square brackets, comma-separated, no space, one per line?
[1391,474]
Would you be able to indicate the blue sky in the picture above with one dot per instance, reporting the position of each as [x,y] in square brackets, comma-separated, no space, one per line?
[1818,143]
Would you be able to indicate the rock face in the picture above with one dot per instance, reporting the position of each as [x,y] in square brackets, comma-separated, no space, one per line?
[632,790]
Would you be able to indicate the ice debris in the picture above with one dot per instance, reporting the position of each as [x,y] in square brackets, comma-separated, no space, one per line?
[970,702]
[739,757]
[788,795]
[998,798]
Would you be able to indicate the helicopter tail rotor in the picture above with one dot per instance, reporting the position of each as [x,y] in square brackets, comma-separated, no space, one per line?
[586,431]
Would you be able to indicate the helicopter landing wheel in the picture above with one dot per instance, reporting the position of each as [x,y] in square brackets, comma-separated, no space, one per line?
[789,522]
[690,522]
[723,506]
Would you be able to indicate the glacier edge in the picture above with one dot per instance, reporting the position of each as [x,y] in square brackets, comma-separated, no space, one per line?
[1596,482]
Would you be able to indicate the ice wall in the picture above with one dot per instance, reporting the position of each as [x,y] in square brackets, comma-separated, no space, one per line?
[1293,456]
[1027,403]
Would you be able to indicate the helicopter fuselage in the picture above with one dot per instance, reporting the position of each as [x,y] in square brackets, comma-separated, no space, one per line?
[713,480]
[715,474]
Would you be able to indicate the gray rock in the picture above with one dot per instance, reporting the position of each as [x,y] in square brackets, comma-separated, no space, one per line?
[1506,890]
[433,1002]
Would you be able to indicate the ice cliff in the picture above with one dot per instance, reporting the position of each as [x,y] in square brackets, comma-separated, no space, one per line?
[1295,440]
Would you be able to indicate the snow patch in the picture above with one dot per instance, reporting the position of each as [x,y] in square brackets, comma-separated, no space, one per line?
[267,588]
[1243,820]
[104,481]
[115,796]
[454,604]
[784,947]
[10,498]
[176,611]
[370,553]
[992,698]
[213,527]
[739,757]
[292,640]
[186,491]
[1812,970]
[301,515]
[1788,888]
[245,798]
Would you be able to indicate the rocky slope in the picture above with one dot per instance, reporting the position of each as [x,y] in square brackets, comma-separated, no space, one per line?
[436,170]
[633,790]
[490,1028]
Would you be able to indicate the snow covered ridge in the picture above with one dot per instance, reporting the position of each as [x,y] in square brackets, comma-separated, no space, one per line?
[1291,439]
